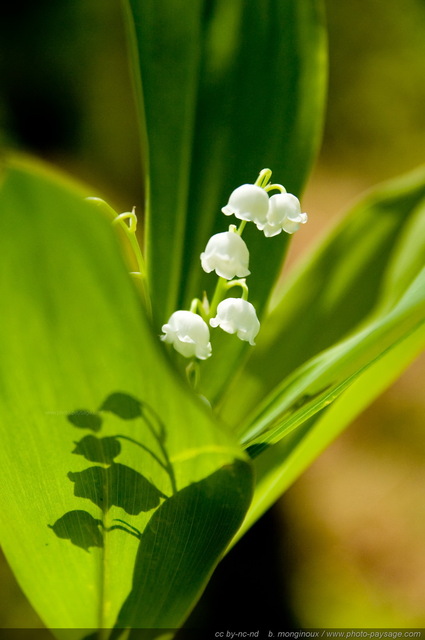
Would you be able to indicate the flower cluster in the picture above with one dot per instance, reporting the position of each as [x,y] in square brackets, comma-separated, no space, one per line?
[281,212]
[227,255]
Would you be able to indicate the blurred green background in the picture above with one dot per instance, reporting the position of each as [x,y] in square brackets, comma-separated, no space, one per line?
[349,537]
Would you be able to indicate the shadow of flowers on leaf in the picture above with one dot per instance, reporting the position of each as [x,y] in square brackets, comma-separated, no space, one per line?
[113,484]
[94,449]
[186,531]
[80,528]
[122,405]
[110,486]
[84,419]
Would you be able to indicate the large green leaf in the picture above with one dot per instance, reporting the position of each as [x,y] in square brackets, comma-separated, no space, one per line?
[117,486]
[360,271]
[228,88]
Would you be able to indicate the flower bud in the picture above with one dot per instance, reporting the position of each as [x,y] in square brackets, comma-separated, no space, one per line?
[248,202]
[235,315]
[284,214]
[226,254]
[188,334]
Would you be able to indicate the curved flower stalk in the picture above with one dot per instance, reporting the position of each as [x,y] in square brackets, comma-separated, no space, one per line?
[127,221]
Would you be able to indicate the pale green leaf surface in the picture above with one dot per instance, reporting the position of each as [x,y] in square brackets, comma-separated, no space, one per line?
[228,89]
[281,464]
[321,380]
[343,283]
[100,440]
[406,261]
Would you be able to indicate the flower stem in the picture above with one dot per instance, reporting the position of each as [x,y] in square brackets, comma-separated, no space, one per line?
[241,227]
[220,290]
[130,232]
[197,306]
[193,374]
[272,187]
[242,284]
[263,178]
[132,239]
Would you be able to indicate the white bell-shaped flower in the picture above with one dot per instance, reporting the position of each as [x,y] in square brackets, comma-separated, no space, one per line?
[188,334]
[226,254]
[284,215]
[248,202]
[235,315]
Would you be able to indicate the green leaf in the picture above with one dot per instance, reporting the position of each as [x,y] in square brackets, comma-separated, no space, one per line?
[103,447]
[360,271]
[163,541]
[166,41]
[228,89]
[316,384]
[280,465]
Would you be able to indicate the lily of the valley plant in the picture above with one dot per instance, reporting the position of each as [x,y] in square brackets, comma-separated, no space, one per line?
[161,385]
